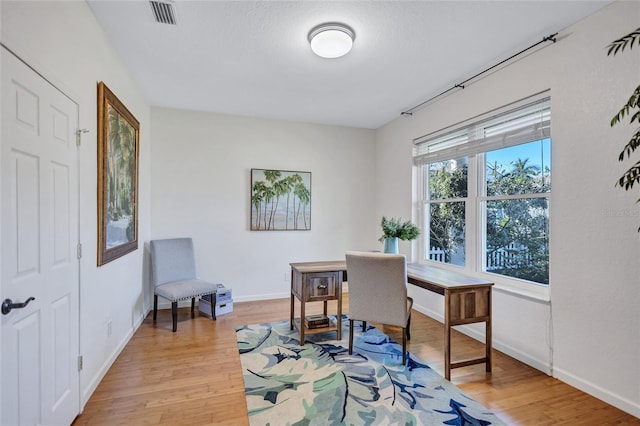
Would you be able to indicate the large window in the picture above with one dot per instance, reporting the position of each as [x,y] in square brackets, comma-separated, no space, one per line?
[485,194]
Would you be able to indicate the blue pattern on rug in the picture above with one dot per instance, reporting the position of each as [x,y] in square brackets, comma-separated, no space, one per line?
[321,384]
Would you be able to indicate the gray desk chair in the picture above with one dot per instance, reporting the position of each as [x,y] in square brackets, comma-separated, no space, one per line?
[378,292]
[173,273]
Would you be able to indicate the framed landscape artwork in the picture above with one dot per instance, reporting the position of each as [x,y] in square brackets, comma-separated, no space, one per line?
[280,200]
[118,142]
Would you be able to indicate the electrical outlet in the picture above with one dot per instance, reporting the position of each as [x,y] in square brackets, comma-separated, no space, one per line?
[109,328]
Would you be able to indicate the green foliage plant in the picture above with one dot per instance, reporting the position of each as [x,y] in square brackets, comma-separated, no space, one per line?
[632,110]
[448,218]
[396,227]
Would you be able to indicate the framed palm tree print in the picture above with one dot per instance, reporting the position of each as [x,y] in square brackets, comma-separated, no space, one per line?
[280,200]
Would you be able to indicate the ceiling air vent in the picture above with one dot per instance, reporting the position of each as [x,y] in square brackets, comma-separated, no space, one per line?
[163,12]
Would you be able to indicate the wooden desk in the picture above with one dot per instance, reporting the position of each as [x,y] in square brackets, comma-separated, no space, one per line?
[466,300]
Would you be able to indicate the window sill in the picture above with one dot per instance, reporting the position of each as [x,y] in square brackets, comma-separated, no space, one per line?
[538,293]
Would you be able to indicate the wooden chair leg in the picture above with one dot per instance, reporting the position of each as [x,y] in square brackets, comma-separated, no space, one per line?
[193,305]
[174,315]
[364,326]
[213,306]
[350,336]
[409,328]
[404,347]
[155,307]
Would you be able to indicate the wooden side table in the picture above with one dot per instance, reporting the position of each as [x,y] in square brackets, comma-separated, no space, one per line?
[316,282]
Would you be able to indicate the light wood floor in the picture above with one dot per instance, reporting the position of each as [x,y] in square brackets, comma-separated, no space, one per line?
[193,377]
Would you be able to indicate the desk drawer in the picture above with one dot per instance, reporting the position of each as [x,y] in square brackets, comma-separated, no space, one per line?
[322,285]
[468,306]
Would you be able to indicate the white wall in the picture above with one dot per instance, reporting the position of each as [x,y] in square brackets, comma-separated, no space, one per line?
[63,41]
[195,180]
[589,334]
[200,171]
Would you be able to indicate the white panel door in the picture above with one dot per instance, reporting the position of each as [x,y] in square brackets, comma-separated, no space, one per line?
[39,232]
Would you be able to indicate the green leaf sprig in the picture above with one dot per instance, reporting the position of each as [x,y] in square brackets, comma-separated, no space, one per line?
[396,227]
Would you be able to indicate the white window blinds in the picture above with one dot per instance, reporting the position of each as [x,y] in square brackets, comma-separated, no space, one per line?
[526,123]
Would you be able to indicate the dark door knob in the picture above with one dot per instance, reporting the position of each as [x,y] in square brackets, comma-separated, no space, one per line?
[8,305]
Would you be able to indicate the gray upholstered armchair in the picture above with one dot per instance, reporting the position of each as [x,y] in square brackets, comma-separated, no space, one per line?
[378,292]
[173,273]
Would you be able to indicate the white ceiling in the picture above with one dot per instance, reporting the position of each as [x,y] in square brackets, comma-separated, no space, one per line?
[252,58]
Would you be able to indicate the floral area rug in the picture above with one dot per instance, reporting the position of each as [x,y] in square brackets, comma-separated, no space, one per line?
[321,384]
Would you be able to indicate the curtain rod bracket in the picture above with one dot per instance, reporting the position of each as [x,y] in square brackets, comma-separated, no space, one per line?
[406,113]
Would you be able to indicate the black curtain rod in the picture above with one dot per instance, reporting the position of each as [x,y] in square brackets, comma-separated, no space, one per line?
[551,37]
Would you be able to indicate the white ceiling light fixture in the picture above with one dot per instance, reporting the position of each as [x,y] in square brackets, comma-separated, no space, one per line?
[331,40]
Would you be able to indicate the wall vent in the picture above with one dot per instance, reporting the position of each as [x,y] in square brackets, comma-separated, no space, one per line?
[163,12]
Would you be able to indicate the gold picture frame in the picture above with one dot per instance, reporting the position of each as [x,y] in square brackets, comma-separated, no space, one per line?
[118,154]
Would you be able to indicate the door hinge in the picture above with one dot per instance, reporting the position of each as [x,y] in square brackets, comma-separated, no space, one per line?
[79,251]
[80,363]
[79,133]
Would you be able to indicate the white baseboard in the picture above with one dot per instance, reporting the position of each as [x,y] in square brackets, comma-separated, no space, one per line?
[617,401]
[93,384]
[262,297]
[164,304]
[428,312]
[631,407]
[95,381]
[536,363]
[624,404]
